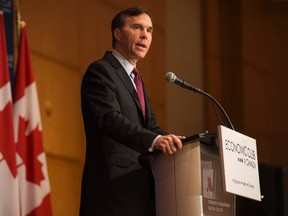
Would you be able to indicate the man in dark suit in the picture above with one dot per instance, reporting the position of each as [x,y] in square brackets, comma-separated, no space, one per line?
[118,127]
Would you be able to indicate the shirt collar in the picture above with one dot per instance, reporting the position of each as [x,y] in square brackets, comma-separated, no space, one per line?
[127,65]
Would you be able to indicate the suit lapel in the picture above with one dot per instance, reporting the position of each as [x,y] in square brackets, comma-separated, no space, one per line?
[120,71]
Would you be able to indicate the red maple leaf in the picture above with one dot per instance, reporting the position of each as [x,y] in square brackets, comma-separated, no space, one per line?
[7,145]
[29,148]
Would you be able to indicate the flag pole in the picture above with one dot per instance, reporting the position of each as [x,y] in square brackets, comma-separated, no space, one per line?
[18,20]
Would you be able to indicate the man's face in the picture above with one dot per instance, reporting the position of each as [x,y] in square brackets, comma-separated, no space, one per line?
[134,39]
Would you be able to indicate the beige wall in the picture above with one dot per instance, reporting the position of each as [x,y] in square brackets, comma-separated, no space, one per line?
[245,67]
[185,109]
[265,76]
[65,36]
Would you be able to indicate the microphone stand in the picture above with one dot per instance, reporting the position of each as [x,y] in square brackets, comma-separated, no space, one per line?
[199,91]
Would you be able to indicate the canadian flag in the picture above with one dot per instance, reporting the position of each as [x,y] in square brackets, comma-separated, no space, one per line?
[31,160]
[9,190]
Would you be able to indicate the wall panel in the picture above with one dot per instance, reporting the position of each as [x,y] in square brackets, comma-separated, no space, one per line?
[65,181]
[59,98]
[255,45]
[265,51]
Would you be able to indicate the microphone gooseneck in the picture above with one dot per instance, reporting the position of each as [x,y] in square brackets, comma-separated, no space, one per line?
[172,78]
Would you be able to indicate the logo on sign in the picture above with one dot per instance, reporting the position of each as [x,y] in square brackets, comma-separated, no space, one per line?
[246,155]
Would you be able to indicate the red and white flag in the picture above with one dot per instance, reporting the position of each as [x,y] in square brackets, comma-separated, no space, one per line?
[31,160]
[9,190]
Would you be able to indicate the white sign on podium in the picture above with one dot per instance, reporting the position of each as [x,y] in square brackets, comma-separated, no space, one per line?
[239,163]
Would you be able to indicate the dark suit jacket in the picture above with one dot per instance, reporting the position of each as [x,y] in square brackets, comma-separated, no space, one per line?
[114,183]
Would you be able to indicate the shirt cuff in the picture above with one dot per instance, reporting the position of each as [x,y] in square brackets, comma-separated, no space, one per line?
[151,148]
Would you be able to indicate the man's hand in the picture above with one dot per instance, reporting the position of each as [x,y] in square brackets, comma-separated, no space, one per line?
[168,144]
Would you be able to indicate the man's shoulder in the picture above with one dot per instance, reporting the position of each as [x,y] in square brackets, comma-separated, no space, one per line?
[104,67]
[107,60]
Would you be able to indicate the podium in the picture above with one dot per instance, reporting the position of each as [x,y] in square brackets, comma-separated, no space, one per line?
[189,183]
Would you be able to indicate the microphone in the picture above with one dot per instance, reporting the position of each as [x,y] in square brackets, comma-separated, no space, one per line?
[172,78]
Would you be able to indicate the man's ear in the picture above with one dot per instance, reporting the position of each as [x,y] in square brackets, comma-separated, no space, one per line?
[117,34]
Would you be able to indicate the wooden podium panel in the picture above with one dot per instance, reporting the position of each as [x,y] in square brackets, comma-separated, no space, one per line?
[189,183]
